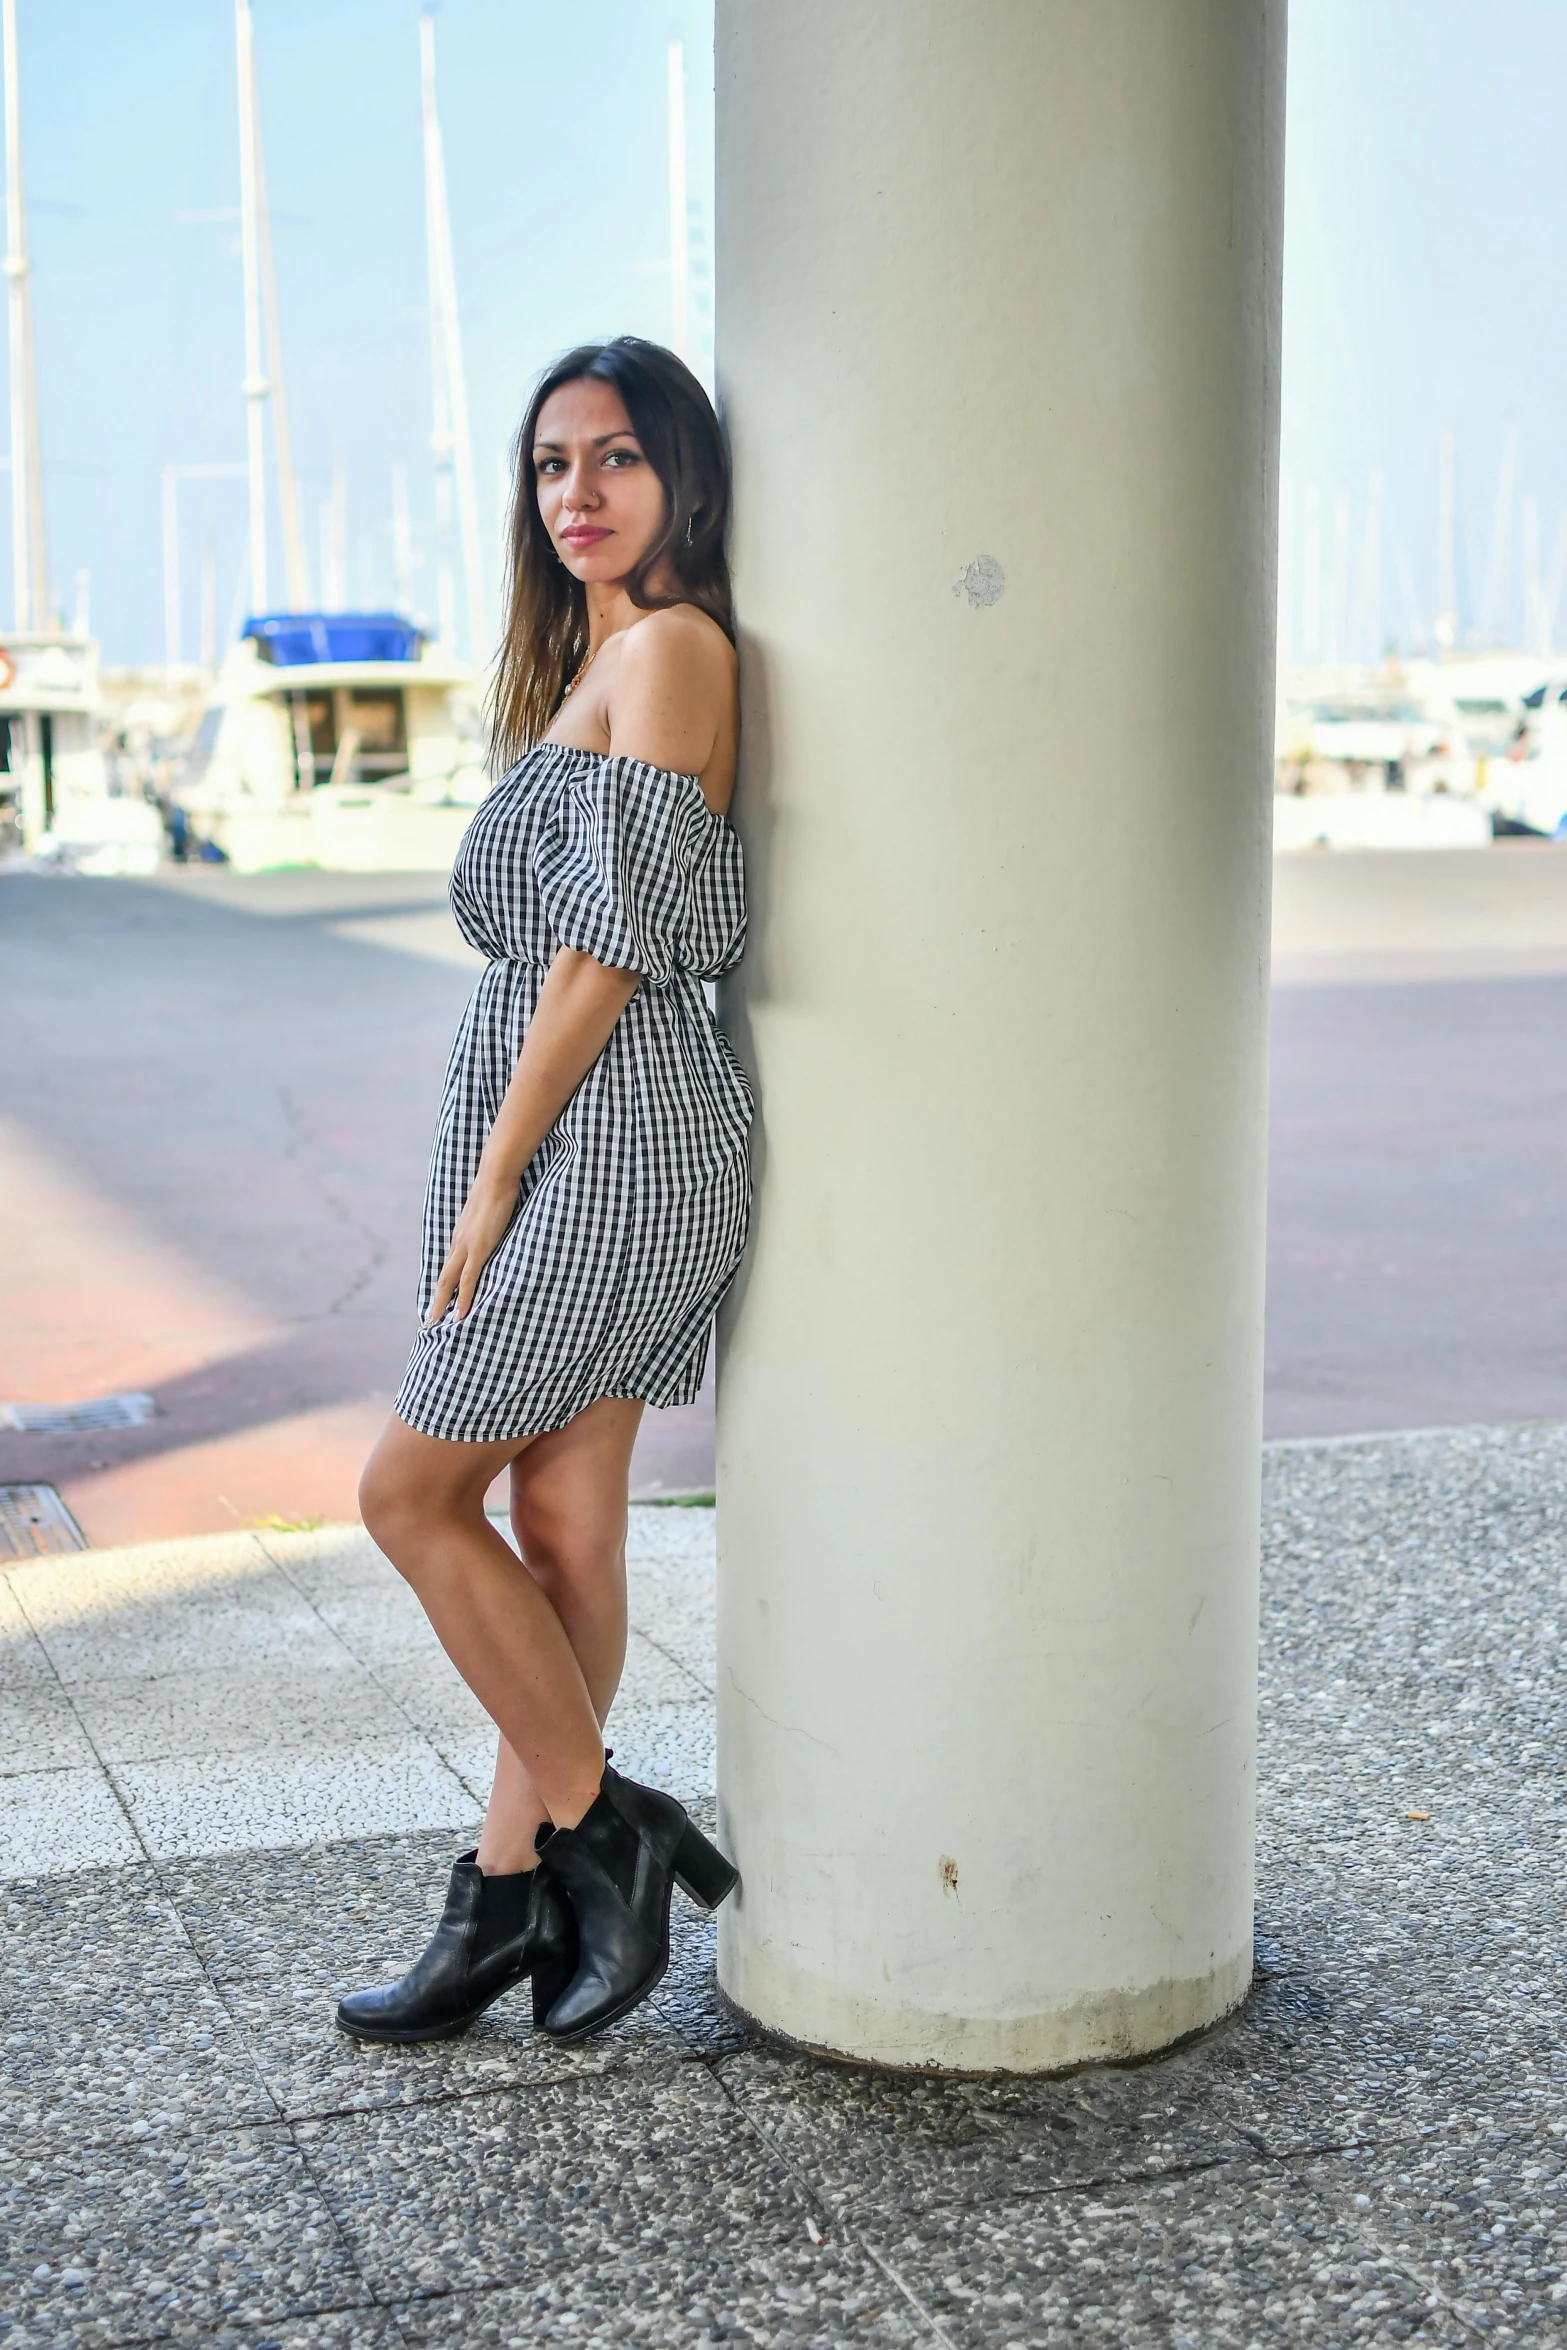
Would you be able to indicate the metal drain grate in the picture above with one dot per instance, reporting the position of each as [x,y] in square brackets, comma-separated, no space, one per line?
[78,1419]
[34,1521]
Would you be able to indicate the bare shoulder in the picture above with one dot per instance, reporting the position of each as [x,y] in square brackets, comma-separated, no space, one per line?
[682,642]
[671,699]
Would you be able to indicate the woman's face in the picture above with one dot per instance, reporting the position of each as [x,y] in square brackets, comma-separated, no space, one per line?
[601,501]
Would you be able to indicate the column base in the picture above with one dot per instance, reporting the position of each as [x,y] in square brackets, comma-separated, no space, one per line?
[1101,2027]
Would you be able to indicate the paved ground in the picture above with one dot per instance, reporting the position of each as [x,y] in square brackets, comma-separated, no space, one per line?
[216,1101]
[1417,1264]
[241,1768]
[216,1097]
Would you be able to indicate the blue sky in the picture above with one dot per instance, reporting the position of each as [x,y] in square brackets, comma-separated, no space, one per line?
[554,118]
[1423,217]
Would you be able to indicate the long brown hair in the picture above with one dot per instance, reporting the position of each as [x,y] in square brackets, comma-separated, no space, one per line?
[546,633]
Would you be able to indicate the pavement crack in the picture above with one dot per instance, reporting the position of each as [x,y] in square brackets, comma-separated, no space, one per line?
[1102,2182]
[829,2222]
[279,2320]
[670,1658]
[302,1151]
[1398,2261]
[367,1667]
[826,2219]
[443,2097]
[280,2117]
[895,2277]
[155,1866]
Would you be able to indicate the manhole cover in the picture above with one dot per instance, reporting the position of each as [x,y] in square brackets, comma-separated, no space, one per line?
[78,1419]
[34,1521]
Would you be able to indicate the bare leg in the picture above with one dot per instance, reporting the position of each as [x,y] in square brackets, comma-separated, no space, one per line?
[568,1512]
[423,1501]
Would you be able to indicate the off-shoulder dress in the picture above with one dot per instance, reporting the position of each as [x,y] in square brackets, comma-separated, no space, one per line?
[632,1216]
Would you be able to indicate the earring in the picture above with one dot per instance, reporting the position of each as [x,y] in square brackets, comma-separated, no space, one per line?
[690,526]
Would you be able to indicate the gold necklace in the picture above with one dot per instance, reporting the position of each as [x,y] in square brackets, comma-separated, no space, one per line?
[582,671]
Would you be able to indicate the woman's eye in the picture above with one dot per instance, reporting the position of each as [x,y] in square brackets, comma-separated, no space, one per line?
[548,464]
[618,457]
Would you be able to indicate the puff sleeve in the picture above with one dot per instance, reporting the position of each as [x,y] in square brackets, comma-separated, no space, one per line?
[634,868]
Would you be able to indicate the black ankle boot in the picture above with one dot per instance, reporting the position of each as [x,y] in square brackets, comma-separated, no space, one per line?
[618,1867]
[494,1931]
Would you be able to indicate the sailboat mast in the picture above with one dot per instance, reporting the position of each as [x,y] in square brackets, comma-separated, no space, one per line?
[402,544]
[1447,544]
[30,591]
[679,210]
[440,382]
[450,439]
[255,385]
[295,570]
[1496,612]
[457,401]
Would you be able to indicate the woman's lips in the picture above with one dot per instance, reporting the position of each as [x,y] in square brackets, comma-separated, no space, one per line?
[583,536]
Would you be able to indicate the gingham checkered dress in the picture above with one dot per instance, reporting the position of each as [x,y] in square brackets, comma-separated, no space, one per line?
[632,1216]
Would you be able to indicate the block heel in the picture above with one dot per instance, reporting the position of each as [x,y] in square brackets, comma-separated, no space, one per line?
[617,1870]
[701,1870]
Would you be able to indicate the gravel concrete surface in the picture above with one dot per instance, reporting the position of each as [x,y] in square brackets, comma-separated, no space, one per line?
[1372,2151]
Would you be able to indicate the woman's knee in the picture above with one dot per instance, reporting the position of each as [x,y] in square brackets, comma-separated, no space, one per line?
[580,1565]
[390,1504]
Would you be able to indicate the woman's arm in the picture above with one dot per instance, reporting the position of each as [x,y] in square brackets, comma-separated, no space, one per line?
[572,1021]
[671,678]
[671,698]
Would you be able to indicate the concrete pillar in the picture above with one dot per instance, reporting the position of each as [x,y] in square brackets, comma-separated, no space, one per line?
[998,307]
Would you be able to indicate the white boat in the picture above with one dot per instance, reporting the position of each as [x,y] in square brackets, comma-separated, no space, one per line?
[339,739]
[1422,754]
[1375,758]
[342,739]
[57,791]
[59,797]
[1487,696]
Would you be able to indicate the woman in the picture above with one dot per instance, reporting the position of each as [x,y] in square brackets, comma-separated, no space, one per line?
[589,1187]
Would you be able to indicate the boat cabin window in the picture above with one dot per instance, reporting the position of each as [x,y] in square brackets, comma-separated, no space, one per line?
[315,737]
[378,720]
[359,732]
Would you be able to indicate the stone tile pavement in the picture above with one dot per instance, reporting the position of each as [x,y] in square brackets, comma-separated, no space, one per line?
[237,1769]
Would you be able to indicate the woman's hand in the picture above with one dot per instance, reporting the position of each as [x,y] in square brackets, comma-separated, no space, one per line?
[477,1234]
[572,1021]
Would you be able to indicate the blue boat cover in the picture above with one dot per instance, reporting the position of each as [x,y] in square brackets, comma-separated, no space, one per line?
[292,639]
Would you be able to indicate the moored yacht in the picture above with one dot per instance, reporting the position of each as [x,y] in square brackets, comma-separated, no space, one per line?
[58,795]
[341,739]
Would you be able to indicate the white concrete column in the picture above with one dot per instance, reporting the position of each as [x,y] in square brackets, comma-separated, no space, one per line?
[998,313]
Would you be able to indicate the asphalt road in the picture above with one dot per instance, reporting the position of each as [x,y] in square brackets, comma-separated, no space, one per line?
[216,1097]
[216,1100]
[1417,1259]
